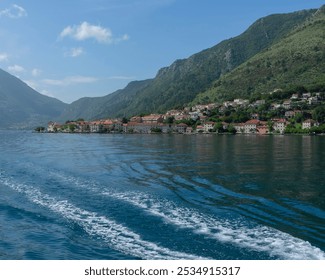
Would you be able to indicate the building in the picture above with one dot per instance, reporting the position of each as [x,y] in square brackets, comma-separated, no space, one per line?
[308,124]
[262,128]
[181,128]
[53,127]
[153,119]
[259,102]
[189,130]
[286,104]
[295,96]
[208,126]
[251,126]
[279,125]
[136,119]
[95,126]
[199,128]
[239,127]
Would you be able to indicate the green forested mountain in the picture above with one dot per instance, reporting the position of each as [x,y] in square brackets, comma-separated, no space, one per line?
[180,83]
[23,107]
[296,62]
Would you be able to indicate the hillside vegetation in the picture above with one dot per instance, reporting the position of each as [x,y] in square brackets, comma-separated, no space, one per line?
[297,62]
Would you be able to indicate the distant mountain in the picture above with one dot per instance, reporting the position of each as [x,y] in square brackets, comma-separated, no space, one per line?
[297,62]
[22,107]
[180,83]
[114,104]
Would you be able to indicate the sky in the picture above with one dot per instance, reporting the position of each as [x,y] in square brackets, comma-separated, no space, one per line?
[77,48]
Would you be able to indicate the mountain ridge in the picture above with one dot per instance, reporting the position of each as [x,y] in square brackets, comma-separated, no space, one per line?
[22,107]
[297,61]
[180,83]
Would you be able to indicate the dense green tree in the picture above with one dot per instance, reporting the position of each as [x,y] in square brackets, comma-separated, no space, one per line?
[318,114]
[40,129]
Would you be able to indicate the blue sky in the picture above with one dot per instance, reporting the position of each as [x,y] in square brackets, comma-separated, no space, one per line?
[76,48]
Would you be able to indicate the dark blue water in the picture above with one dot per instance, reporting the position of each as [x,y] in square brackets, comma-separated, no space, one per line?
[69,196]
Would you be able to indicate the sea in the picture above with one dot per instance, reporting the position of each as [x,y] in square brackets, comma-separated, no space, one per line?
[165,197]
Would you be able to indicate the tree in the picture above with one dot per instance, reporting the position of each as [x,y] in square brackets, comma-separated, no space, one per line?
[231,129]
[72,127]
[319,113]
[218,127]
[40,129]
[156,130]
[170,120]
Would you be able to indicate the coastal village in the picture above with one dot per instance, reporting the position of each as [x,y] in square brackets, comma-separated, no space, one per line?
[299,113]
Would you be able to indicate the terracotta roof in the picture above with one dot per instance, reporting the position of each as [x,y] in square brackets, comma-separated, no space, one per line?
[309,121]
[253,122]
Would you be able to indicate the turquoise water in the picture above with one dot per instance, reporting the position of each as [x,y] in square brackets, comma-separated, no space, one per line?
[70,196]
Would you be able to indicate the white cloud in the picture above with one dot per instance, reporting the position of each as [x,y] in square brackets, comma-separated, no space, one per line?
[36,72]
[86,31]
[75,52]
[16,69]
[70,81]
[3,57]
[14,11]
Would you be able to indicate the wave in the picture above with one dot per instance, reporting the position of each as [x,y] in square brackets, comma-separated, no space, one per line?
[117,236]
[275,243]
[258,238]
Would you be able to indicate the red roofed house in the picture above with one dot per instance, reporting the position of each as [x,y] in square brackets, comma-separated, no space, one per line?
[262,128]
[153,118]
[251,126]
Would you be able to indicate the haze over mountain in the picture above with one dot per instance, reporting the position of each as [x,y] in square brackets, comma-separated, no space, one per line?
[22,107]
[181,82]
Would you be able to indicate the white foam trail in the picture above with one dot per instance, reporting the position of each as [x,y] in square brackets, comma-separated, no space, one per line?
[259,238]
[117,236]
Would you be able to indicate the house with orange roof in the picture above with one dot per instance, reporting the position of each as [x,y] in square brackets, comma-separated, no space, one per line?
[251,126]
[153,119]
[262,128]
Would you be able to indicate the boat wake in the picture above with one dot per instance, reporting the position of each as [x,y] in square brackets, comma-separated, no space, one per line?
[117,236]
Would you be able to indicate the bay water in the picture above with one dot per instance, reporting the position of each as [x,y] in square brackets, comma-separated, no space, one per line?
[114,196]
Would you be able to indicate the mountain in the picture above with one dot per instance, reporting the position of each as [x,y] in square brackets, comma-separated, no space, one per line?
[22,107]
[297,62]
[100,107]
[181,82]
